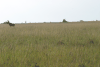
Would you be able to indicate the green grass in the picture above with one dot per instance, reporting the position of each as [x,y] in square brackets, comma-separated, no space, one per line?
[50,45]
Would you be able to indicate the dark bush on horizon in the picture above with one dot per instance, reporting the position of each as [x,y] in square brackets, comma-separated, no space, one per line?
[5,23]
[64,21]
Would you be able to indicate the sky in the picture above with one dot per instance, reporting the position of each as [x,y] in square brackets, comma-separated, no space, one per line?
[34,11]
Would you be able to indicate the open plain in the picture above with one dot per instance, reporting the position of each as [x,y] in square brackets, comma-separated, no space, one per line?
[50,45]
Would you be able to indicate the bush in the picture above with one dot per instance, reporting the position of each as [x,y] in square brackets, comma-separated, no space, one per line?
[6,22]
[81,21]
[64,21]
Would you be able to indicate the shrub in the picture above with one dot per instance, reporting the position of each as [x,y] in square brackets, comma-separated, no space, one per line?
[64,21]
[81,21]
[7,22]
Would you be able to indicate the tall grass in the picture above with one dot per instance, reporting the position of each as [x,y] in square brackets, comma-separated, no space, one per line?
[50,45]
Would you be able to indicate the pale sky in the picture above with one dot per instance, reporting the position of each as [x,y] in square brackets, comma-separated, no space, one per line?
[18,11]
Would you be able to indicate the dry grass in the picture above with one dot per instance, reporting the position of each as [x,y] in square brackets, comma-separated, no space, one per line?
[50,45]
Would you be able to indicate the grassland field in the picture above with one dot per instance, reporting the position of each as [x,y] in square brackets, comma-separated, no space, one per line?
[50,45]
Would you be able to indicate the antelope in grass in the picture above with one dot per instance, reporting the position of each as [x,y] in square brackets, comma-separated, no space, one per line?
[10,24]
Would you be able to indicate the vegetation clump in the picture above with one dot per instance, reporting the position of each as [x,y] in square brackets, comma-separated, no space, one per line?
[64,21]
[7,22]
[81,21]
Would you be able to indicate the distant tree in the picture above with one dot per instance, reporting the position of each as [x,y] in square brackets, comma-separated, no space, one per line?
[64,21]
[7,22]
[25,21]
[81,21]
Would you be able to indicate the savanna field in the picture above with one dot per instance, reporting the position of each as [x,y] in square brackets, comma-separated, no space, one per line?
[50,45]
